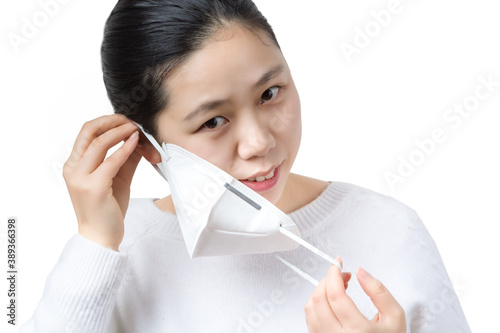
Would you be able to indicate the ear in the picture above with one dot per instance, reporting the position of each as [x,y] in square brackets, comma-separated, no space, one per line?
[146,149]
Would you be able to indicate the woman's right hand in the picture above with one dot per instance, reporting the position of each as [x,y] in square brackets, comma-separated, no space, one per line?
[100,188]
[330,309]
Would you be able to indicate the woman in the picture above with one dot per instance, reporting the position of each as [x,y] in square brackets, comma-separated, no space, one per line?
[210,77]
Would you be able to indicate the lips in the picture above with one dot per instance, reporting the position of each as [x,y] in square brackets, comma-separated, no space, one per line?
[259,185]
[261,176]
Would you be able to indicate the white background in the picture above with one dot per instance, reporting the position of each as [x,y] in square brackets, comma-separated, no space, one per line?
[358,118]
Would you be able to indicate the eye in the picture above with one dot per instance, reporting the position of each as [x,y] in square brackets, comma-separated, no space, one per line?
[269,94]
[213,123]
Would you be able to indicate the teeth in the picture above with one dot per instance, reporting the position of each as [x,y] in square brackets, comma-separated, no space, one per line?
[261,179]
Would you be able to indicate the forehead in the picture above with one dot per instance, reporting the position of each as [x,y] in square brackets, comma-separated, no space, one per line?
[230,63]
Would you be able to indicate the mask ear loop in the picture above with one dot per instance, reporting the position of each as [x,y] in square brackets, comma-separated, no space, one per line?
[311,248]
[164,156]
[297,270]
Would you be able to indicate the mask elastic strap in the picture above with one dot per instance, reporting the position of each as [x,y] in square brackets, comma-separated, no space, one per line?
[162,152]
[297,270]
[311,248]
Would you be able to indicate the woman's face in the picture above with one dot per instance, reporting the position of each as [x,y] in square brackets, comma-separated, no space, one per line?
[234,104]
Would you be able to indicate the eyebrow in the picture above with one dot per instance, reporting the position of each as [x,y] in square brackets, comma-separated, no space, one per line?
[211,105]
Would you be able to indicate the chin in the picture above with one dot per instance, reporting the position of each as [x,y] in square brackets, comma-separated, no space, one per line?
[275,194]
[273,198]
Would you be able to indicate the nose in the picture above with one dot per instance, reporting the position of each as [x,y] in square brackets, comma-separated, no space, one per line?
[255,140]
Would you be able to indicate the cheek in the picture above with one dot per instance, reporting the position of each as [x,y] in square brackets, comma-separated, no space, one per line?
[295,134]
[288,124]
[216,154]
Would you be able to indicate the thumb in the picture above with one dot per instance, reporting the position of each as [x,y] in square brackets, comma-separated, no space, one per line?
[380,296]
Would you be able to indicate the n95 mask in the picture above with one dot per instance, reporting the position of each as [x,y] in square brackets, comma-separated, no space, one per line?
[217,214]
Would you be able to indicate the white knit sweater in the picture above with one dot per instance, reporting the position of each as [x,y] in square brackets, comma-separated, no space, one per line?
[151,284]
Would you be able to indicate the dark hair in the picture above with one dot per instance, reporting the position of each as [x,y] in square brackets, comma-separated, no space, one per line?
[145,40]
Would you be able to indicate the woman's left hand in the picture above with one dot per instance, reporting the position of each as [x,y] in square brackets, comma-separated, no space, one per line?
[330,310]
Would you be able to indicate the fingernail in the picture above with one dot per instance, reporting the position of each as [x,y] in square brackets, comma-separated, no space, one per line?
[134,135]
[364,274]
[339,260]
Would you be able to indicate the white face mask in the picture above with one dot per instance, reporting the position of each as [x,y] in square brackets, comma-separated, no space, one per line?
[218,215]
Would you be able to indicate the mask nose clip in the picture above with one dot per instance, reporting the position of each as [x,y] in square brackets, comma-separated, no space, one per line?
[243,197]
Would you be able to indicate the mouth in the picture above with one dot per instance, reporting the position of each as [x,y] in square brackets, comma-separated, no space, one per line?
[262,178]
[264,181]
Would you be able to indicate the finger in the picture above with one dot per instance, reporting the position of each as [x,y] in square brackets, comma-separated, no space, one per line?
[380,296]
[112,164]
[90,130]
[346,277]
[313,324]
[123,180]
[342,305]
[98,149]
[318,308]
[127,170]
[322,309]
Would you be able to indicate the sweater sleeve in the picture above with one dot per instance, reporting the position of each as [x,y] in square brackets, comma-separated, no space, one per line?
[438,307]
[80,291]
